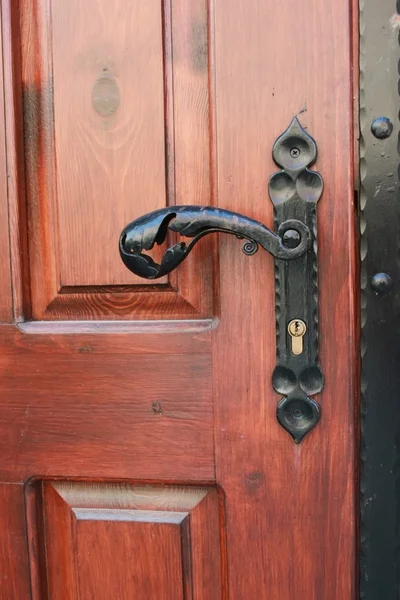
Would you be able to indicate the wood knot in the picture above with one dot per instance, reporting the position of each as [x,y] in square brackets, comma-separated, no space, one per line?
[85,349]
[253,481]
[105,94]
[156,407]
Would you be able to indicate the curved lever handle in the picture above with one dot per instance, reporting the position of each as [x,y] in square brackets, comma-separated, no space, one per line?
[292,240]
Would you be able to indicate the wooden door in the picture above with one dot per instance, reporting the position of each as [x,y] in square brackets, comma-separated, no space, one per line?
[140,455]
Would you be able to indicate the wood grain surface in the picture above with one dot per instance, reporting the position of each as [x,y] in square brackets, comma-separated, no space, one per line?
[123,541]
[119,406]
[290,509]
[5,294]
[14,565]
[191,100]
[114,126]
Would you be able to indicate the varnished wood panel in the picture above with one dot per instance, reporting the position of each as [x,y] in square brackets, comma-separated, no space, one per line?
[109,405]
[91,402]
[291,508]
[16,236]
[5,272]
[128,541]
[109,130]
[116,124]
[14,566]
[154,548]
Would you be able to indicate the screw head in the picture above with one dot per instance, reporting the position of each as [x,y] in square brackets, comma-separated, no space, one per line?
[291,238]
[294,152]
[297,413]
[382,127]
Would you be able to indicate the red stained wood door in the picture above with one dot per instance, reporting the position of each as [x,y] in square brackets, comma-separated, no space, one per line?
[140,455]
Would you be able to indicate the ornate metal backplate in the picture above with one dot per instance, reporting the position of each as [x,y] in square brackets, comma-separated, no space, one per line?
[294,191]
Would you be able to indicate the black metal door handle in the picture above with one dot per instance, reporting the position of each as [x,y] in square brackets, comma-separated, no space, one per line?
[294,191]
[292,240]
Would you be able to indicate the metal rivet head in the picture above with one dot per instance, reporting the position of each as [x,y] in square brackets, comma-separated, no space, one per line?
[381,283]
[382,127]
[291,238]
[297,413]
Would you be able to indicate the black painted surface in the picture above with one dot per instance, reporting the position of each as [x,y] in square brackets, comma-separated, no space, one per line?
[292,239]
[380,300]
[295,191]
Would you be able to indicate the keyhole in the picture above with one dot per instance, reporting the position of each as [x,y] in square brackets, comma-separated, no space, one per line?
[297,329]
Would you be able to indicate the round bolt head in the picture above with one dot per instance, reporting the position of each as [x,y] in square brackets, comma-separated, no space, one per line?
[291,238]
[381,283]
[382,127]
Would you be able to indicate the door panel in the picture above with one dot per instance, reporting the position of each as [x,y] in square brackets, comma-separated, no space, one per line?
[115,125]
[130,405]
[122,541]
[139,419]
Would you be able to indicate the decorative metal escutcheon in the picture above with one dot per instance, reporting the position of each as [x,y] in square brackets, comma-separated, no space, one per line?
[294,191]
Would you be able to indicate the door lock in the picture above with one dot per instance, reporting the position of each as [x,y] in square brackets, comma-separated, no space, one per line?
[297,329]
[294,191]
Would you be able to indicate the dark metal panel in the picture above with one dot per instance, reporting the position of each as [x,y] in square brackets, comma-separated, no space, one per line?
[380,315]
